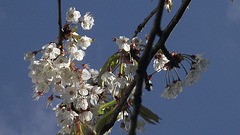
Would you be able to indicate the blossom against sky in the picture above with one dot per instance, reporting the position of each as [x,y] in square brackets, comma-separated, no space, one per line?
[211,106]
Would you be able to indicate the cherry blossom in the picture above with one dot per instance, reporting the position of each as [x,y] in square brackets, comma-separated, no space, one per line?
[72,15]
[84,42]
[87,21]
[172,90]
[123,43]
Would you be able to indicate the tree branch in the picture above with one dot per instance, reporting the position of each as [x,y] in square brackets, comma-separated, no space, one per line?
[142,25]
[118,108]
[60,35]
[167,31]
[142,67]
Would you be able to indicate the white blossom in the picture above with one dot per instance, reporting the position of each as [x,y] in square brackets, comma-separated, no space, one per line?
[70,94]
[120,82]
[72,15]
[130,68]
[107,79]
[172,90]
[86,116]
[43,87]
[61,62]
[87,21]
[192,77]
[29,56]
[36,64]
[201,64]
[94,73]
[71,46]
[123,43]
[84,42]
[159,63]
[37,75]
[122,114]
[58,88]
[94,95]
[168,5]
[50,51]
[85,75]
[83,90]
[78,55]
[37,95]
[81,103]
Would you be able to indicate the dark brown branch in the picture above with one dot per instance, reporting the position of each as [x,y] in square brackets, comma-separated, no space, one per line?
[60,35]
[142,67]
[118,108]
[167,31]
[142,25]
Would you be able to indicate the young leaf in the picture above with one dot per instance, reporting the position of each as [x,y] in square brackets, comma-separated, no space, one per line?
[122,68]
[76,36]
[111,62]
[74,29]
[103,120]
[107,105]
[148,115]
[85,129]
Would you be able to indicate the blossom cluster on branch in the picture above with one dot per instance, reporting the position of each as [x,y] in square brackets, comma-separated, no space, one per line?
[89,96]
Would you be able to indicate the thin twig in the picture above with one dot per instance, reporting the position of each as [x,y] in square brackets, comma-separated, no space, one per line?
[142,25]
[60,35]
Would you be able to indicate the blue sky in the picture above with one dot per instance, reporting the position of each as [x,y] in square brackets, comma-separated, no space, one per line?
[210,107]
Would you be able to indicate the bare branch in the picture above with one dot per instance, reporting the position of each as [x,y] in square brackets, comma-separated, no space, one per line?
[142,25]
[167,31]
[60,35]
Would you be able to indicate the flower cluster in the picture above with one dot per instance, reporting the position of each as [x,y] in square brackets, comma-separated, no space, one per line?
[57,70]
[87,21]
[197,64]
[82,90]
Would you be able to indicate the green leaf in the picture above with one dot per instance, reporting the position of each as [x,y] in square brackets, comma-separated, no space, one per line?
[108,105]
[74,29]
[111,62]
[122,68]
[76,36]
[146,119]
[100,111]
[148,115]
[103,120]
[136,63]
[85,129]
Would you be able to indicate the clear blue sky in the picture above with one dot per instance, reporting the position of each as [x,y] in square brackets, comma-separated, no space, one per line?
[210,107]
